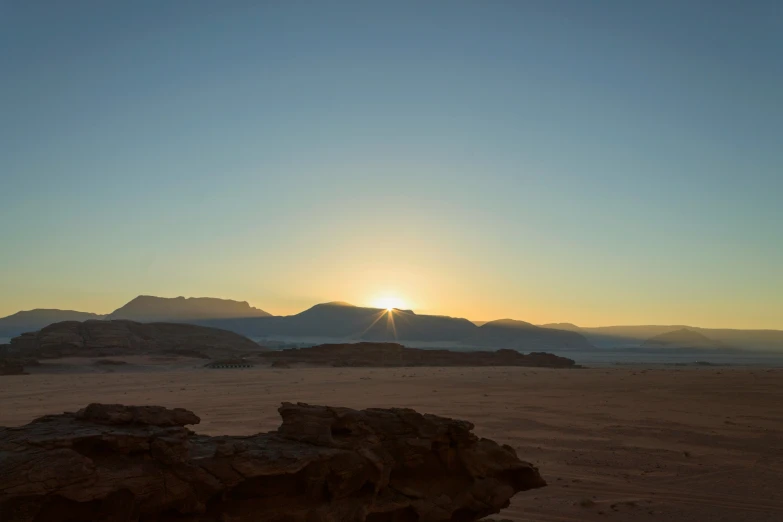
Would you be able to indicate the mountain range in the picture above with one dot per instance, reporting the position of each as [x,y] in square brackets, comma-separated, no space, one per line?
[684,338]
[32,320]
[636,336]
[344,322]
[147,309]
[323,322]
[339,320]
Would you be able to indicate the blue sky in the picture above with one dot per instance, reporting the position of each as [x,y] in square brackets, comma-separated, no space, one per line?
[595,162]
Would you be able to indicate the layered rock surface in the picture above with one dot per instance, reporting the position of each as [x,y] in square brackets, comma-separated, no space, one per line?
[392,354]
[114,463]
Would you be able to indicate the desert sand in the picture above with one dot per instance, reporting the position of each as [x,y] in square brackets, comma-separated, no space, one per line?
[684,444]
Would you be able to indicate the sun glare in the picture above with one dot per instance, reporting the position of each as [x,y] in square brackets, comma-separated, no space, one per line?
[389,303]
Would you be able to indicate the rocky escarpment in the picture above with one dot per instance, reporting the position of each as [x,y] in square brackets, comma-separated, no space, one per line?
[114,463]
[107,338]
[392,354]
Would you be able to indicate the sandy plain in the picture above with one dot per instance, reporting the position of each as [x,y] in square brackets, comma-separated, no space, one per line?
[623,444]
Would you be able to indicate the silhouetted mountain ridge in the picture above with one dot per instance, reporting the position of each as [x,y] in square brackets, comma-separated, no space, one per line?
[147,308]
[562,326]
[338,321]
[510,333]
[344,321]
[98,338]
[143,309]
[634,336]
[32,320]
[683,338]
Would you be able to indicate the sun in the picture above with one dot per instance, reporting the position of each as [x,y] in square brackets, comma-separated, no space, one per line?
[389,303]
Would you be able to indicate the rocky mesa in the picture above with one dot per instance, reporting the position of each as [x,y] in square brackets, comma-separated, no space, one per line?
[106,338]
[152,309]
[115,463]
[394,355]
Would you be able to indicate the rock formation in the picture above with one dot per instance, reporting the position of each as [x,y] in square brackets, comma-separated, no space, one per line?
[509,333]
[392,354]
[109,338]
[148,309]
[32,320]
[11,367]
[342,321]
[114,463]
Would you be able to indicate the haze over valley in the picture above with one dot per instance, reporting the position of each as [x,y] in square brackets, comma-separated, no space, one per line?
[343,322]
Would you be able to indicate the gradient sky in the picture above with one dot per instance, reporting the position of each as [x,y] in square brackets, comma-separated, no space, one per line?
[603,162]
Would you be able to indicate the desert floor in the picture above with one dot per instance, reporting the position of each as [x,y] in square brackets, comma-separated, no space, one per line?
[689,444]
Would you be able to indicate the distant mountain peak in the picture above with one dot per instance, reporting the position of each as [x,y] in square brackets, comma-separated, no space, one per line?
[32,320]
[331,305]
[148,308]
[561,326]
[682,338]
[509,323]
[50,311]
[511,333]
[336,303]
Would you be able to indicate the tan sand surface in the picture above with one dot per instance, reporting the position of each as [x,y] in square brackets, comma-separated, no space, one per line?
[690,444]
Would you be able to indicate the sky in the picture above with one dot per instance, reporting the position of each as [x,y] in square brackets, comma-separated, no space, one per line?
[605,162]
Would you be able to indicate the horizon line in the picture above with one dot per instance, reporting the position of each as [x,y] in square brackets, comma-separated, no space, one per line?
[346,303]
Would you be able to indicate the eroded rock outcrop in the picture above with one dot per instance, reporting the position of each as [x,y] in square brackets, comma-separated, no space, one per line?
[114,463]
[111,338]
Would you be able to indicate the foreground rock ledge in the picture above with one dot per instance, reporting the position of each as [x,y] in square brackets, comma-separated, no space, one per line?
[117,463]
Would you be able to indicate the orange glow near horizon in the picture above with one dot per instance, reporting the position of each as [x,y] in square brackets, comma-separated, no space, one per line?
[389,303]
